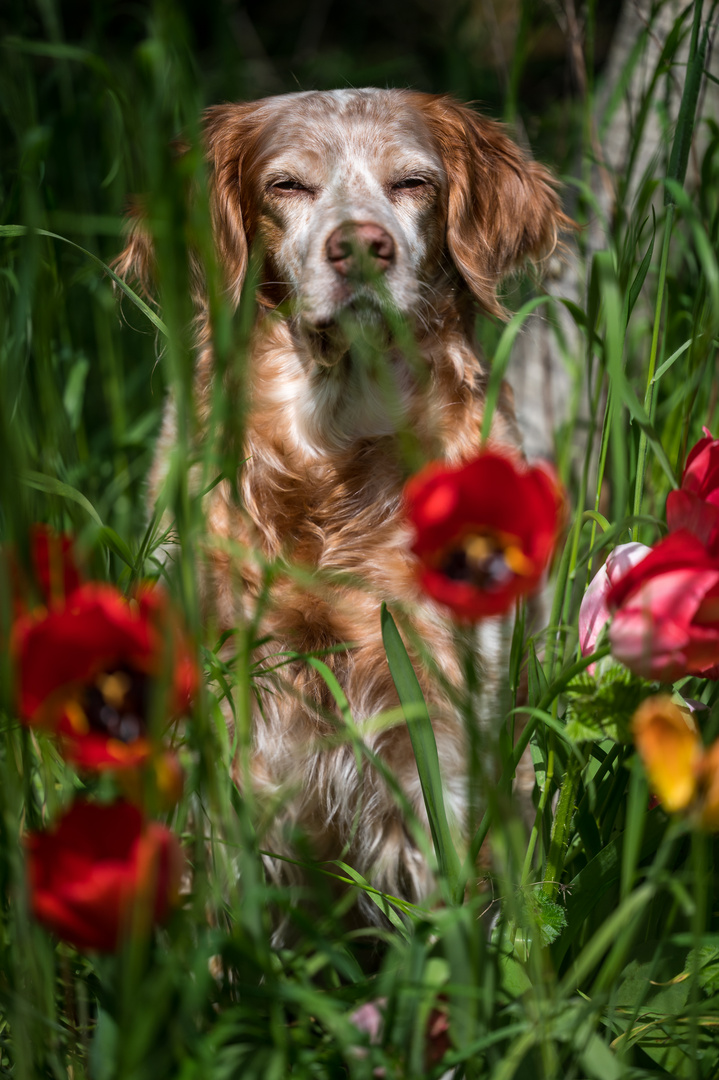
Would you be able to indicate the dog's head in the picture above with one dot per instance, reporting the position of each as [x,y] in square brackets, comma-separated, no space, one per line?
[358,198]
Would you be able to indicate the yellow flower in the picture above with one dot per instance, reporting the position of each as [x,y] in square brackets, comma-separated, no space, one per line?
[681,772]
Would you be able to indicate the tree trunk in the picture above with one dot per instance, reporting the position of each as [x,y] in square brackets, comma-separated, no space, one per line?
[547,375]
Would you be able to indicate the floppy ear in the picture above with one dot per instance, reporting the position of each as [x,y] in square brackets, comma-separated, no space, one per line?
[230,135]
[227,134]
[136,262]
[503,208]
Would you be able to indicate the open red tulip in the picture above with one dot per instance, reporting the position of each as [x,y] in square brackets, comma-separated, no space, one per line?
[94,669]
[484,531]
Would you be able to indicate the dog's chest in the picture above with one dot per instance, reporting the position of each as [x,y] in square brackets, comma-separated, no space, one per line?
[341,521]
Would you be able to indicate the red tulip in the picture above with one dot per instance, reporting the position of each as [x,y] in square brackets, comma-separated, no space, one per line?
[696,505]
[54,563]
[54,569]
[484,531]
[666,621]
[90,669]
[101,873]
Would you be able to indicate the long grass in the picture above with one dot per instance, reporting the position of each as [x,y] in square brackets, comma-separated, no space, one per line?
[590,949]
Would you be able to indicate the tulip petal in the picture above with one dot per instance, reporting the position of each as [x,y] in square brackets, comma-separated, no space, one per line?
[594,613]
[670,749]
[653,632]
[709,778]
[102,871]
[685,510]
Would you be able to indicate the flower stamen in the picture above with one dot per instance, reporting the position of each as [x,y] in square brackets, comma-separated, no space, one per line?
[115,705]
[486,560]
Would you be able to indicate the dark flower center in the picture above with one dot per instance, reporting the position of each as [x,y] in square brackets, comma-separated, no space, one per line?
[487,560]
[114,705]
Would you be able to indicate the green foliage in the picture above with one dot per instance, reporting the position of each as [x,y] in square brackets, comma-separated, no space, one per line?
[602,707]
[425,752]
[585,940]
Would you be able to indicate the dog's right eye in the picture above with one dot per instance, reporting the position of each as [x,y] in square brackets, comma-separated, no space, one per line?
[409,183]
[289,185]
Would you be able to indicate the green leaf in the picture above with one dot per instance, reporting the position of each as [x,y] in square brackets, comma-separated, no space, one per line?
[53,486]
[117,545]
[675,356]
[599,1061]
[690,96]
[603,707]
[538,684]
[636,286]
[705,959]
[424,745]
[501,358]
[23,230]
[601,874]
[650,1008]
[74,394]
[549,917]
[513,978]
[103,1048]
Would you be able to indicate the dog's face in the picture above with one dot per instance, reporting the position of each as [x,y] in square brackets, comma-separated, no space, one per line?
[357,199]
[349,196]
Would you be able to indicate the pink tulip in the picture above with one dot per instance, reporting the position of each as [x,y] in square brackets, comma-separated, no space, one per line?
[594,613]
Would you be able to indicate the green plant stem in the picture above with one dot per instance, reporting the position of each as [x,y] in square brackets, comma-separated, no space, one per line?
[507,776]
[702,877]
[649,396]
[560,829]
[544,798]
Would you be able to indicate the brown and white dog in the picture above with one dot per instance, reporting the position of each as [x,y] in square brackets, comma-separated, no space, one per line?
[368,206]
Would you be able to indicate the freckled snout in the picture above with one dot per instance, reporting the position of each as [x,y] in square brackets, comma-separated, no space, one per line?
[357,243]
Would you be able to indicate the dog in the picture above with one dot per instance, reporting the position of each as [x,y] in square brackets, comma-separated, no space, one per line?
[365,210]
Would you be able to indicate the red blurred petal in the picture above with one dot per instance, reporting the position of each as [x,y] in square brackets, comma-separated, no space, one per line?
[94,629]
[685,510]
[98,869]
[53,562]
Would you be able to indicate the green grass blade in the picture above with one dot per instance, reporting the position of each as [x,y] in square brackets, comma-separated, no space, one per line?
[51,486]
[424,745]
[23,230]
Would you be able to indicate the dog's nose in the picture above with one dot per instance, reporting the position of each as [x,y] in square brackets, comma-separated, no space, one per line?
[356,242]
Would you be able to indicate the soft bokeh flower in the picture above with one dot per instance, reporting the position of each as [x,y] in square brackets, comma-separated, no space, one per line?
[54,563]
[683,775]
[666,611]
[593,612]
[695,506]
[101,873]
[484,531]
[96,668]
[369,1019]
[49,574]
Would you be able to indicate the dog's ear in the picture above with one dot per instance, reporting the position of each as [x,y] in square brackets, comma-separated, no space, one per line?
[136,262]
[503,208]
[228,131]
[231,132]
